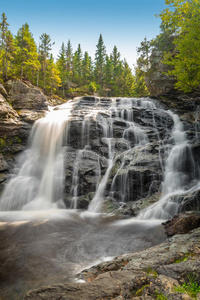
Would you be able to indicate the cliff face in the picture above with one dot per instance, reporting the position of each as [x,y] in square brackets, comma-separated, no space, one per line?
[20,105]
[156,80]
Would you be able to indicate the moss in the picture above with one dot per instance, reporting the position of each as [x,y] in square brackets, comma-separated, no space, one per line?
[140,291]
[2,142]
[184,257]
[151,271]
[160,296]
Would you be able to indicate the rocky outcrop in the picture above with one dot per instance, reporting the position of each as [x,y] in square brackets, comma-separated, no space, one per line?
[139,134]
[13,131]
[25,96]
[150,274]
[182,223]
[20,105]
[156,79]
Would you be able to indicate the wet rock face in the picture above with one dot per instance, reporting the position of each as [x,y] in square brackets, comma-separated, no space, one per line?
[130,132]
[137,135]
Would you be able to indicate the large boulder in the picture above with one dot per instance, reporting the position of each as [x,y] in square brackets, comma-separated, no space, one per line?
[25,96]
[182,223]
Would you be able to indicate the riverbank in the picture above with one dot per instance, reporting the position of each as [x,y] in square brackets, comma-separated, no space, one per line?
[149,274]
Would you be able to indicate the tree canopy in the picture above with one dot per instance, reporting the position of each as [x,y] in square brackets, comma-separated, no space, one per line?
[71,73]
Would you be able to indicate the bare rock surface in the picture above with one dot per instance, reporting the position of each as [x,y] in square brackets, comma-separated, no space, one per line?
[25,96]
[141,275]
[182,223]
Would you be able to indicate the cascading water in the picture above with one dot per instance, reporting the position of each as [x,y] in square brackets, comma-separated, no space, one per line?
[38,182]
[126,130]
[179,176]
[113,149]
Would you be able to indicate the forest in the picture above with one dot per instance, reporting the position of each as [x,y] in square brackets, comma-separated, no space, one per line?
[74,73]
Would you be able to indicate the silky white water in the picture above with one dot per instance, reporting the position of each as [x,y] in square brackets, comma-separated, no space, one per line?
[179,175]
[38,180]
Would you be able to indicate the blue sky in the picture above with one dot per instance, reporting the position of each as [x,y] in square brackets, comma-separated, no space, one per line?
[123,23]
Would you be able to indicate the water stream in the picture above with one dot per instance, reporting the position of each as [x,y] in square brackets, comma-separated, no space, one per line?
[42,242]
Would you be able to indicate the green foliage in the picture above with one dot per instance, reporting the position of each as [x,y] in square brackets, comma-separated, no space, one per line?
[183,19]
[191,287]
[2,142]
[160,296]
[184,258]
[144,50]
[92,87]
[100,57]
[71,73]
[151,271]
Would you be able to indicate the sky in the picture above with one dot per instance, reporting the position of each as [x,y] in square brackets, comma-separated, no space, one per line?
[124,23]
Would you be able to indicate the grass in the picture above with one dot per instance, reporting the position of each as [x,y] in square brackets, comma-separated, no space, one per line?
[192,288]
[160,296]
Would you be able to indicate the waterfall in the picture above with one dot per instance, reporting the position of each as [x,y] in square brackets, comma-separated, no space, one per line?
[38,180]
[179,175]
[122,109]
[111,147]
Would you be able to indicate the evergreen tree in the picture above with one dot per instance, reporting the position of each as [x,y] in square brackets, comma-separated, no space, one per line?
[77,66]
[115,58]
[3,30]
[86,68]
[53,80]
[144,50]
[9,53]
[140,89]
[100,57]
[3,51]
[108,75]
[44,50]
[128,81]
[69,58]
[62,67]
[26,52]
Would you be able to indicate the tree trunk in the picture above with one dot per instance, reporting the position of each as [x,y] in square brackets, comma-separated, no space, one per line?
[37,77]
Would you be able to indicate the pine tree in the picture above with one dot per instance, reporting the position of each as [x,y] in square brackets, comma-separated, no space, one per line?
[44,50]
[62,67]
[26,52]
[3,32]
[4,28]
[128,81]
[145,50]
[109,82]
[100,57]
[86,68]
[115,58]
[69,58]
[53,80]
[77,66]
[9,55]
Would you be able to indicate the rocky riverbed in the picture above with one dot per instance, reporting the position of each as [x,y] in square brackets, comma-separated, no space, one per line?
[149,274]
[120,156]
